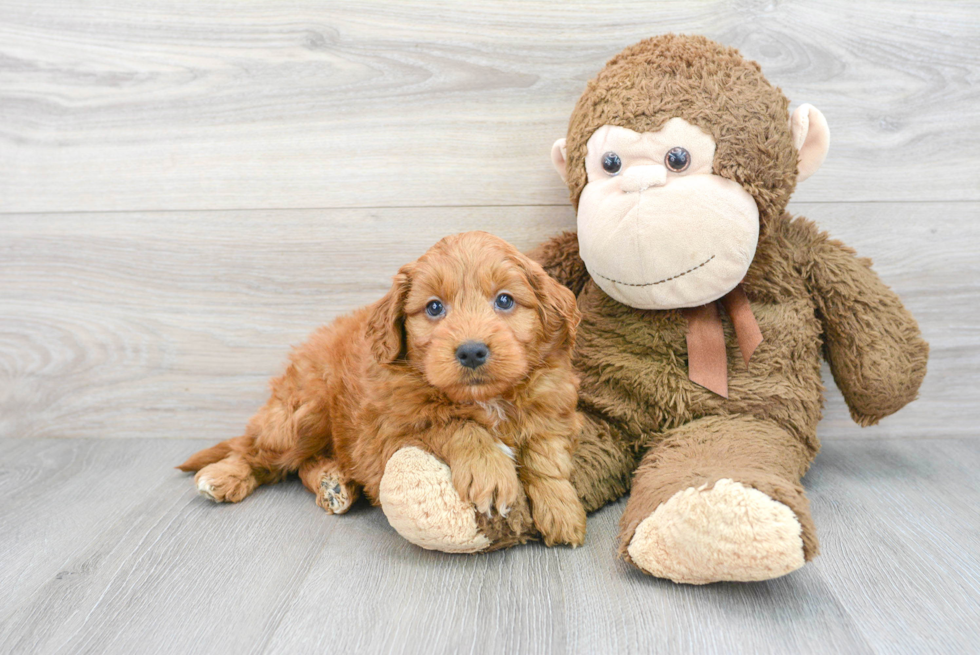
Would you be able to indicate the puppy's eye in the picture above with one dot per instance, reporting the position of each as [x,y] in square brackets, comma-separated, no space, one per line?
[504,302]
[435,308]
[611,163]
[677,159]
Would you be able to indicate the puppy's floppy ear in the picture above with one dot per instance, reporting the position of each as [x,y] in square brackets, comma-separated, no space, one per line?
[386,323]
[557,305]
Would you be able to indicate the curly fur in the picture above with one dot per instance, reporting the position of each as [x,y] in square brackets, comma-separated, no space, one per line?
[386,377]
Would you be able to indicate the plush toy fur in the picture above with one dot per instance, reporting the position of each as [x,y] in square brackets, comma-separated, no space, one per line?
[709,86]
[715,482]
[806,291]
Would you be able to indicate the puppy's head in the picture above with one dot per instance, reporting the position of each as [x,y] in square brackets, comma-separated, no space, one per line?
[474,315]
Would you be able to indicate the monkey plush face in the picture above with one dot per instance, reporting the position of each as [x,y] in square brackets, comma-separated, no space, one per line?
[657,228]
[677,155]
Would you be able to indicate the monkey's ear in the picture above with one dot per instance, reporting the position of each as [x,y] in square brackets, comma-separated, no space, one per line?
[558,155]
[811,137]
[386,322]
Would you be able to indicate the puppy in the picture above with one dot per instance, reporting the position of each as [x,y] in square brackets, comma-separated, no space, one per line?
[468,356]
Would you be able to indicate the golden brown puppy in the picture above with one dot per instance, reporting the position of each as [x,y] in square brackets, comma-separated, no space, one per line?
[468,356]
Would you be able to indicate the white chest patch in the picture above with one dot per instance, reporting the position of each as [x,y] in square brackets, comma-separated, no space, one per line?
[496,410]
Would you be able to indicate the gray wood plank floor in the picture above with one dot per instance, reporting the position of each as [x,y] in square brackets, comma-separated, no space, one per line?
[105,549]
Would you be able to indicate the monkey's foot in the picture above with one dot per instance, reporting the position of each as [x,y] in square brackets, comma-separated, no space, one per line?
[729,532]
[418,497]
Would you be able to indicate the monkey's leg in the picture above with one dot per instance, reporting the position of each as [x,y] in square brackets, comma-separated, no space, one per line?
[720,499]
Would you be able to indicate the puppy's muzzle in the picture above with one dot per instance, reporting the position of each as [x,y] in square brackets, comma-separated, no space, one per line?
[472,354]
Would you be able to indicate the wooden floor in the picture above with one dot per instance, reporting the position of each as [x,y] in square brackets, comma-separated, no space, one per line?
[187,188]
[105,550]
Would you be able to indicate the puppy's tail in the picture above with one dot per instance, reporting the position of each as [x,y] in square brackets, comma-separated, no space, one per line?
[200,459]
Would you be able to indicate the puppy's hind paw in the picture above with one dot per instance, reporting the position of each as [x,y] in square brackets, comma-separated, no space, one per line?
[206,489]
[227,481]
[335,496]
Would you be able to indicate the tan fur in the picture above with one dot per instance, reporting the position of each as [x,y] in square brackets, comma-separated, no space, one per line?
[418,497]
[751,536]
[386,377]
[811,296]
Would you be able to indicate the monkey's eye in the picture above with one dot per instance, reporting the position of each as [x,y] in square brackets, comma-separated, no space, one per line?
[435,308]
[611,163]
[677,159]
[504,302]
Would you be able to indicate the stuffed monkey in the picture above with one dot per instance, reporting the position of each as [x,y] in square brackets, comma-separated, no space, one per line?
[706,309]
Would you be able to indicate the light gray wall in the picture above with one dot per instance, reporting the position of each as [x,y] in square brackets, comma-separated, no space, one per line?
[187,189]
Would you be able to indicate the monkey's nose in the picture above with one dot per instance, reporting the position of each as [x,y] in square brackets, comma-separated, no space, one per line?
[641,178]
[472,354]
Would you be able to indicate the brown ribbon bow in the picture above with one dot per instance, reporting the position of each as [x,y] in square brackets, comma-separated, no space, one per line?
[707,358]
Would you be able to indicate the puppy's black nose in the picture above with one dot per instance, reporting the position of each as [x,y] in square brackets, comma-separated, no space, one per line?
[472,354]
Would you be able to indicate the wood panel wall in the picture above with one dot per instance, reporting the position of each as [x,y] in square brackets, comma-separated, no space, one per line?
[187,189]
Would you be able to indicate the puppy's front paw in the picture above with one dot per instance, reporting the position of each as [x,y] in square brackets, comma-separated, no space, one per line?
[561,523]
[488,482]
[557,511]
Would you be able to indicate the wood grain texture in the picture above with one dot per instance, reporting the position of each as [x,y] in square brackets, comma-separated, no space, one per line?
[158,569]
[898,518]
[226,105]
[69,504]
[144,564]
[170,324]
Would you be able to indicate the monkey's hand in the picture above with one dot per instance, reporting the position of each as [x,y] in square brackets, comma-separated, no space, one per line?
[872,342]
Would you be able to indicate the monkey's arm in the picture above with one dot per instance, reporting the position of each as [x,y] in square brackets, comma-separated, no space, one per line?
[559,257]
[871,341]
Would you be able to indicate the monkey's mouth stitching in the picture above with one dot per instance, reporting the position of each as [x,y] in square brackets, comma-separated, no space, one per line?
[666,279]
